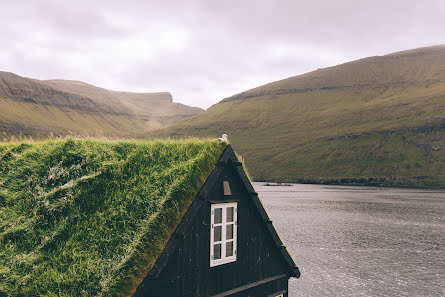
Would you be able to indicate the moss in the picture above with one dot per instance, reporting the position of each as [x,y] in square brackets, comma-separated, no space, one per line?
[90,217]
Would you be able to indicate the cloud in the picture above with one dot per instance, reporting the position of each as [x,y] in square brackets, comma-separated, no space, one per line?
[203,51]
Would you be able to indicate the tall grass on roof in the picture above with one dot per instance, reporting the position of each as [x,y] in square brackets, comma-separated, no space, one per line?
[90,217]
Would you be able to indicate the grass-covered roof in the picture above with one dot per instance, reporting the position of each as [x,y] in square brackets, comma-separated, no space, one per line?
[90,217]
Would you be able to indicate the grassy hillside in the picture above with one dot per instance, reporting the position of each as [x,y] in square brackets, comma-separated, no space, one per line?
[142,104]
[90,217]
[379,120]
[33,107]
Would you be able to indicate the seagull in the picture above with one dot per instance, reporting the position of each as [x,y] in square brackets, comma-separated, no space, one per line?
[224,138]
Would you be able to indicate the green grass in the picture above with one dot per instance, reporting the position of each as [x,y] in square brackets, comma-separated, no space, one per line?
[389,158]
[89,217]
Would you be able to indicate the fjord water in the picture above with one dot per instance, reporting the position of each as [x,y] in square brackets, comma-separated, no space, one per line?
[361,241]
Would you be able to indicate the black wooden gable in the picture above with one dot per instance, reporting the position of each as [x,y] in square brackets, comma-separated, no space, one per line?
[229,158]
[183,269]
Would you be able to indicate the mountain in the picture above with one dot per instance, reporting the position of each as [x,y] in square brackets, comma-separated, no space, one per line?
[142,104]
[60,107]
[375,121]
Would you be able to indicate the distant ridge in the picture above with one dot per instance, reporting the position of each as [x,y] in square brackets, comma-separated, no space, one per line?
[26,90]
[375,121]
[61,107]
[134,102]
[374,71]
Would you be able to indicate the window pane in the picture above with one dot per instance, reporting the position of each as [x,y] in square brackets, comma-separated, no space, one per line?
[217,234]
[230,214]
[229,231]
[218,215]
[217,251]
[226,187]
[229,249]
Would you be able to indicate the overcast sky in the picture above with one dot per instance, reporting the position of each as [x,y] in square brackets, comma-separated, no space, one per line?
[203,51]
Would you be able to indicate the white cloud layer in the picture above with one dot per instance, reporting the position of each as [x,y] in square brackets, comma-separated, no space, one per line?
[203,50]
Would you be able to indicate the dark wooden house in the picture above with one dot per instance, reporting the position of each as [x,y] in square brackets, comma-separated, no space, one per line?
[163,218]
[225,244]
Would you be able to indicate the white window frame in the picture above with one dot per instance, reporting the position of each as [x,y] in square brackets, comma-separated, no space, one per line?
[224,259]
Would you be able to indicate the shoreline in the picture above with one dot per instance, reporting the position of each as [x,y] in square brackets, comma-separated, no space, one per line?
[384,183]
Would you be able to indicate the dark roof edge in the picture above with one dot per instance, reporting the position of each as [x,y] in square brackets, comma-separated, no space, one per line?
[229,154]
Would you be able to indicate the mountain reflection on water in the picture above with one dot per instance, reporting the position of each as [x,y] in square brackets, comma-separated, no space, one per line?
[361,241]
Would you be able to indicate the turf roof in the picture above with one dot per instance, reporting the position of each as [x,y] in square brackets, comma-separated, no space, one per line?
[90,217]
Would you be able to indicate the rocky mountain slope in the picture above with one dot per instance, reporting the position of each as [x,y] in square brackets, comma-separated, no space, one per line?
[378,120]
[29,106]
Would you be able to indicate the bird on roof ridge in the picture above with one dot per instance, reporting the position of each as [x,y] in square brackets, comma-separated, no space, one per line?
[224,138]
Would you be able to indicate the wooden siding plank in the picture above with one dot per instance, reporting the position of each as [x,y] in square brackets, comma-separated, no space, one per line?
[251,285]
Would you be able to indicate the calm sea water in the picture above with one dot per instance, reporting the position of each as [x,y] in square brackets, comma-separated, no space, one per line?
[361,241]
